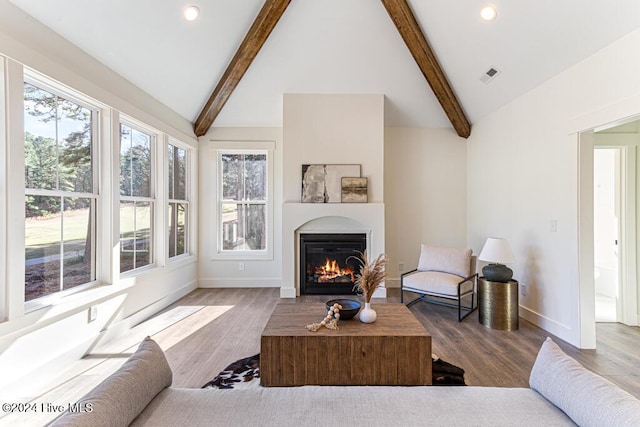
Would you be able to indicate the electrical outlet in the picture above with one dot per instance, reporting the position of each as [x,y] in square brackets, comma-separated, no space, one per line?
[401,267]
[93,313]
[523,289]
[241,266]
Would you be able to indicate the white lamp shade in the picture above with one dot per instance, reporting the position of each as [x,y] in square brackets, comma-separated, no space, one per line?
[497,251]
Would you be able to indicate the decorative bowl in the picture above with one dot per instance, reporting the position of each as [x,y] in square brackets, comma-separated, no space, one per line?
[350,307]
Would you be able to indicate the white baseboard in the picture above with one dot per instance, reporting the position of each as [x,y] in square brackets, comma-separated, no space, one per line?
[240,283]
[392,282]
[265,283]
[554,327]
[380,293]
[288,292]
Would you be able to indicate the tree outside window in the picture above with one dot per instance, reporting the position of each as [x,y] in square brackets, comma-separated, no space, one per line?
[178,203]
[243,201]
[136,201]
[60,198]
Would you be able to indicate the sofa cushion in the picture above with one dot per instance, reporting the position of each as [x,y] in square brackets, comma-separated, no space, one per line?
[447,260]
[319,406]
[587,398]
[435,282]
[119,399]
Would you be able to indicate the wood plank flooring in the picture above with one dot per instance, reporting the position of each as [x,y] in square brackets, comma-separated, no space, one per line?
[210,328]
[489,357]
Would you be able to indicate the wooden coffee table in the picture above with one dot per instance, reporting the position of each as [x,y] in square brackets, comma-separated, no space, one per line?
[394,350]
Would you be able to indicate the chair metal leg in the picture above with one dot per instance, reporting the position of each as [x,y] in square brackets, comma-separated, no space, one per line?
[424,297]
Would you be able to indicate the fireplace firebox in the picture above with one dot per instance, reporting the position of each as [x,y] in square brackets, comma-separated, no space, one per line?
[329,262]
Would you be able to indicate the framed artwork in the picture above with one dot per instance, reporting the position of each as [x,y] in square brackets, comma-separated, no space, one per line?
[354,190]
[323,183]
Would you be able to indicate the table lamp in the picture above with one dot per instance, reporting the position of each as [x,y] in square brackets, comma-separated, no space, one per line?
[497,253]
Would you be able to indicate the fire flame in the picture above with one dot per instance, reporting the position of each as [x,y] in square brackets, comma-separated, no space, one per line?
[331,271]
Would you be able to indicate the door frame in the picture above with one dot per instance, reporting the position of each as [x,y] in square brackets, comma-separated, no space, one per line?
[628,233]
[626,306]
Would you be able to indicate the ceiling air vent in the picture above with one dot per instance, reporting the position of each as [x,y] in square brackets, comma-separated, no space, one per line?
[489,75]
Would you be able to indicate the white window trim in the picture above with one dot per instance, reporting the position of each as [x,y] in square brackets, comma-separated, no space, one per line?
[97,108]
[4,192]
[187,200]
[14,311]
[244,147]
[157,195]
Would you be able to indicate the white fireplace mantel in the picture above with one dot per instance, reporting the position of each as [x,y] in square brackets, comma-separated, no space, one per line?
[365,218]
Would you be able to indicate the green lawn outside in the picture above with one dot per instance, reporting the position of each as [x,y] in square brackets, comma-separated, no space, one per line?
[43,232]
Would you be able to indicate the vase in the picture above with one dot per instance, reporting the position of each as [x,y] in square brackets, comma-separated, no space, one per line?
[497,273]
[367,314]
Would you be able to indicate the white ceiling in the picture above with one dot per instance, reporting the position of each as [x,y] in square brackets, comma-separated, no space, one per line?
[337,46]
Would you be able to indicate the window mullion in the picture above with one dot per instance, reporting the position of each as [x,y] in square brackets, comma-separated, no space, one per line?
[130,160]
[61,261]
[58,193]
[135,234]
[57,121]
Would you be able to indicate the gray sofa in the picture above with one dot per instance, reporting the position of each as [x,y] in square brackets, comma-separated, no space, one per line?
[562,392]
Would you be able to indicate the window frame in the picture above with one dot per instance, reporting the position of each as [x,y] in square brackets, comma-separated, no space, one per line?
[187,200]
[42,82]
[265,148]
[105,177]
[155,138]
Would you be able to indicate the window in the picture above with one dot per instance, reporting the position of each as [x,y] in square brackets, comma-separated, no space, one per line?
[178,203]
[136,198]
[60,192]
[243,201]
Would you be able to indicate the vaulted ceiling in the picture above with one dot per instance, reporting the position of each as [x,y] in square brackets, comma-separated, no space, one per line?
[337,46]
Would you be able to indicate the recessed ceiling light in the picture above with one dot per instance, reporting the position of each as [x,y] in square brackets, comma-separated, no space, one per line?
[488,13]
[191,13]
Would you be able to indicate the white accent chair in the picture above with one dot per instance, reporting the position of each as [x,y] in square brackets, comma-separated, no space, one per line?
[444,276]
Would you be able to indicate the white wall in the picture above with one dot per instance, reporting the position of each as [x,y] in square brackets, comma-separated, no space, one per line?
[40,343]
[425,193]
[320,129]
[225,273]
[523,172]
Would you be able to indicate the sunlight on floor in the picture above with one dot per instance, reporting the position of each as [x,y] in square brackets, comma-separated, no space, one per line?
[105,358]
[195,316]
[170,337]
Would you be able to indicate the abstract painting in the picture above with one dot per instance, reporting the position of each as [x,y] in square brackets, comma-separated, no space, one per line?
[354,190]
[323,183]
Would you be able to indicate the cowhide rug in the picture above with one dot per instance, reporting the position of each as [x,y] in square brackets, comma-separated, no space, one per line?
[245,373]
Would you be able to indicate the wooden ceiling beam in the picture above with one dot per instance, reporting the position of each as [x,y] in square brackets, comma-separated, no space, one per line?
[410,31]
[257,35]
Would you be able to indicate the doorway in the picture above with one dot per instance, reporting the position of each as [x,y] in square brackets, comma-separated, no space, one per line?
[606,218]
[624,136]
[615,207]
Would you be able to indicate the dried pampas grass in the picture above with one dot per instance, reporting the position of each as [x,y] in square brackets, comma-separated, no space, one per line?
[371,275]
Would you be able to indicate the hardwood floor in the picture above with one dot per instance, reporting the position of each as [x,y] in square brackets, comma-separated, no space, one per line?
[489,357]
[210,328]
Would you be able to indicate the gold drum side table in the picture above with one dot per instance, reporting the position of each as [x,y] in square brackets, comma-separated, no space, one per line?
[498,304]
